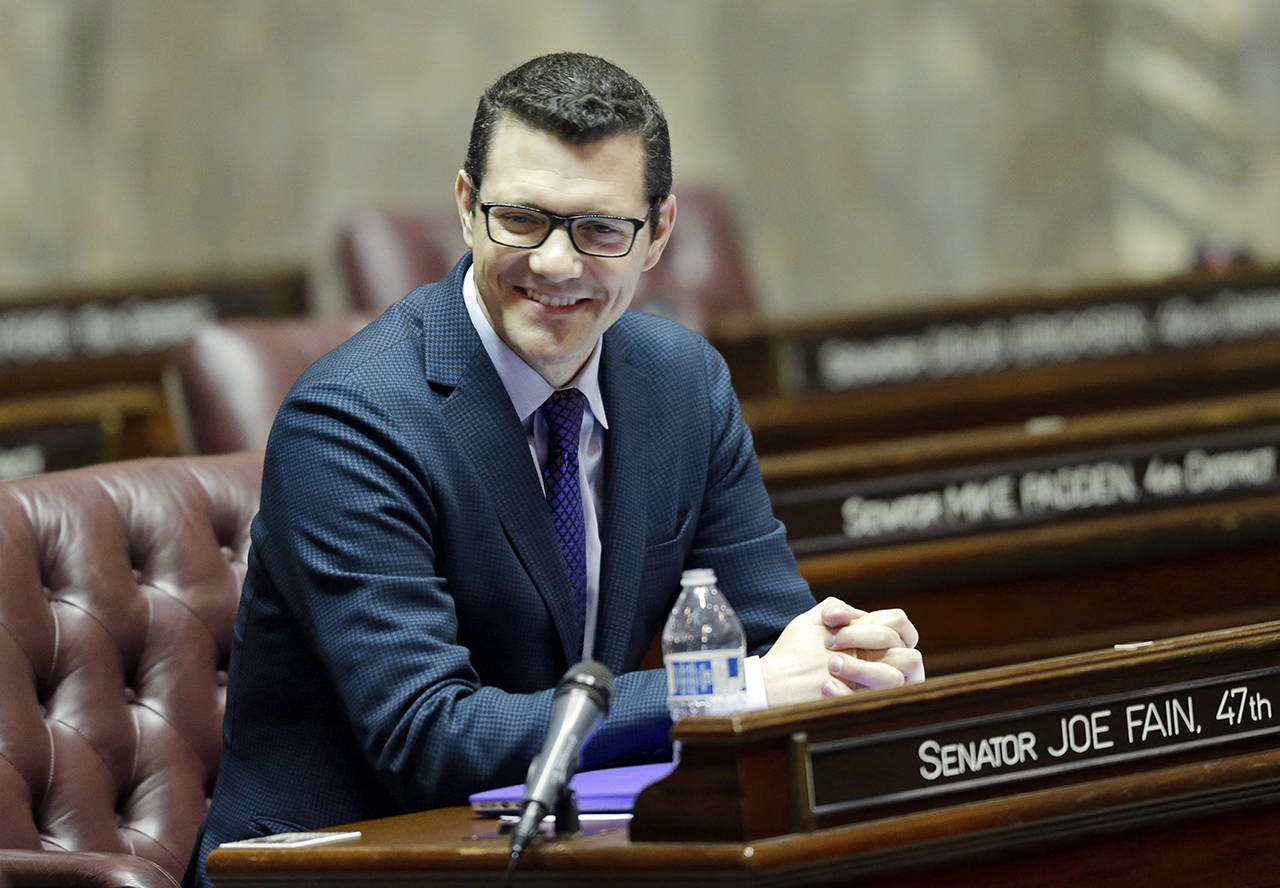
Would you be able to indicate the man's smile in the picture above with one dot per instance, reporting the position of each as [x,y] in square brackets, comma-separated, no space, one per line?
[551,303]
[551,300]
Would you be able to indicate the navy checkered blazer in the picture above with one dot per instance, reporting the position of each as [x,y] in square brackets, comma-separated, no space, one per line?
[407,614]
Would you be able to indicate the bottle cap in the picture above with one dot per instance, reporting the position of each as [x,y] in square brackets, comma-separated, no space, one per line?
[698,576]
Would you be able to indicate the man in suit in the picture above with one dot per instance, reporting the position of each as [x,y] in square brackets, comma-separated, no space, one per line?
[412,597]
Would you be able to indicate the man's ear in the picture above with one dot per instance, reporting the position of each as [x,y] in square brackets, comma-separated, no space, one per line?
[462,195]
[661,234]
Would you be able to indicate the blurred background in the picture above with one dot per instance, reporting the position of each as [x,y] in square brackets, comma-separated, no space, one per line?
[877,153]
[997,281]
[199,197]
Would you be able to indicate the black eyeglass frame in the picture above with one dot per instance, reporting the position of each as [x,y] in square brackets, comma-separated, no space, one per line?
[565,222]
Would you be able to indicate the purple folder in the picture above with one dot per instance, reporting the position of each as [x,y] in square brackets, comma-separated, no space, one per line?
[611,790]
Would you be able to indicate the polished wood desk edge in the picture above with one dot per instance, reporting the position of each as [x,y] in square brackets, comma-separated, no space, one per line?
[276,276]
[955,660]
[1053,433]
[966,306]
[1228,517]
[1082,667]
[88,404]
[456,839]
[1046,385]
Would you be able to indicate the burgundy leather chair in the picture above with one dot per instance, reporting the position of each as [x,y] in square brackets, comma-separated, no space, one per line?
[118,591]
[701,279]
[385,253]
[228,381]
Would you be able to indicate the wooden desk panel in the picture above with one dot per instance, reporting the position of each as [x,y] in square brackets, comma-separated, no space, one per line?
[81,368]
[99,423]
[1016,842]
[1004,597]
[1198,810]
[1004,359]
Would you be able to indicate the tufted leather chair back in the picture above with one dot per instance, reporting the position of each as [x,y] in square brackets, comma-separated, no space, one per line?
[229,379]
[118,591]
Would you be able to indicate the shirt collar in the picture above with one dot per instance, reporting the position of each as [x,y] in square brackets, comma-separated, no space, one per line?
[526,386]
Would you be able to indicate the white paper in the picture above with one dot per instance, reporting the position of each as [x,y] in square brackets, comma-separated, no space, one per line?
[292,840]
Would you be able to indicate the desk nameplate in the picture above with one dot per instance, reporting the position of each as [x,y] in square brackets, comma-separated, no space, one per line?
[115,333]
[52,446]
[988,751]
[1170,317]
[1039,490]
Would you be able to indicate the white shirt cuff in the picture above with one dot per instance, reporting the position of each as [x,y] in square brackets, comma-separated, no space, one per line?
[756,697]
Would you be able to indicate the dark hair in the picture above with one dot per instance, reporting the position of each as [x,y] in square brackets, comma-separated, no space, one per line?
[579,98]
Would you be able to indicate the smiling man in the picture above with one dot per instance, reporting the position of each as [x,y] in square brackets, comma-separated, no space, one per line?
[541,288]
[504,474]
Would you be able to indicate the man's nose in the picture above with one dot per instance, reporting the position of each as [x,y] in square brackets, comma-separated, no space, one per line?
[556,258]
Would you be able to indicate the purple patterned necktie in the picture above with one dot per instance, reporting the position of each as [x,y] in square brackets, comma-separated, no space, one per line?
[563,415]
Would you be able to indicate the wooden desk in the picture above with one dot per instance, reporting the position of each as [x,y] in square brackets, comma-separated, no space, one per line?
[61,430]
[1004,359]
[81,367]
[452,846]
[1009,544]
[828,794]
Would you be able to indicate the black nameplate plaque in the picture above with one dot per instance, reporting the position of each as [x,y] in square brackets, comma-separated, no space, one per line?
[1007,748]
[89,328]
[845,516]
[993,341]
[21,460]
[51,446]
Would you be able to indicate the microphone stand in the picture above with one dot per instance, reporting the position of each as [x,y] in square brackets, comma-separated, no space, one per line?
[568,824]
[567,821]
[581,701]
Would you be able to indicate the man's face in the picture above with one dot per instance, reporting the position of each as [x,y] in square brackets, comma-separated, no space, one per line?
[551,304]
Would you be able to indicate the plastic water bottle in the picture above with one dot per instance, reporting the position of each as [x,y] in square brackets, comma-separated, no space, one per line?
[703,648]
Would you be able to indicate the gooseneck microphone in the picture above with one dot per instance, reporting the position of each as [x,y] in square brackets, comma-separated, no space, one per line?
[582,699]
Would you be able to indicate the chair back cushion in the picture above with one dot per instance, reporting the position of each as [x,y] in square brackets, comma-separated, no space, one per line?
[118,591]
[232,376]
[703,276]
[384,253]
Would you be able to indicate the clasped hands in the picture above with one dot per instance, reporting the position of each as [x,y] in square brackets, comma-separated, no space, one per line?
[834,648]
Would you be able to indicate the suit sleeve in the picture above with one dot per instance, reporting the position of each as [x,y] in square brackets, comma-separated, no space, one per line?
[349,542]
[737,533]
[734,530]
[348,536]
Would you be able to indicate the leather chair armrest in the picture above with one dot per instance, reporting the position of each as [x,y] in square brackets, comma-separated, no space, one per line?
[73,869]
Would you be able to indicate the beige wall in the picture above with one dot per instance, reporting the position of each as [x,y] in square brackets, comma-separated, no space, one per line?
[880,151]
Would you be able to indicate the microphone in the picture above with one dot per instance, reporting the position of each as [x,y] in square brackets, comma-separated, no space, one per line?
[581,700]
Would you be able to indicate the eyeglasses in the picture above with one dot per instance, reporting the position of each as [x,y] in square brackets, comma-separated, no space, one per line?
[592,234]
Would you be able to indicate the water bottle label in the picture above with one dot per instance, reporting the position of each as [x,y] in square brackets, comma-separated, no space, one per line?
[699,673]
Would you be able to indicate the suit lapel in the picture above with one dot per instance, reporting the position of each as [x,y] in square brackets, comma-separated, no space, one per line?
[495,442]
[626,398]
